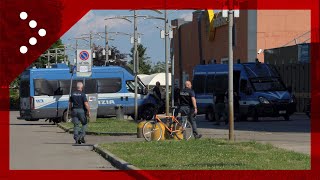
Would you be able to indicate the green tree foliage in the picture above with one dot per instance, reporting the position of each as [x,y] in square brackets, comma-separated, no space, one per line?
[160,67]
[144,62]
[116,57]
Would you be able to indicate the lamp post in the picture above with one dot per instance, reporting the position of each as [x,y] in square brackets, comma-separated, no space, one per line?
[230,14]
[135,55]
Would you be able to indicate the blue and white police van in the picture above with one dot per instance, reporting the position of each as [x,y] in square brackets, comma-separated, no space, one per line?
[260,90]
[44,93]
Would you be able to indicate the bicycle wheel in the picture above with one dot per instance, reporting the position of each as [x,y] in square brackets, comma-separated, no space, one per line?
[152,131]
[186,131]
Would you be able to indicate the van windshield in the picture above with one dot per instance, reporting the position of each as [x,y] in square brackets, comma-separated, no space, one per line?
[267,84]
[130,86]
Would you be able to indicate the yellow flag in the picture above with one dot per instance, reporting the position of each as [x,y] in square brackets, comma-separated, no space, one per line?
[211,27]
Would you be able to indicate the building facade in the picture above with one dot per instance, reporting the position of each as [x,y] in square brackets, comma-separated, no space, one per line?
[253,31]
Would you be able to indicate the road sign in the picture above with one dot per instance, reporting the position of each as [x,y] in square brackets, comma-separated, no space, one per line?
[84,63]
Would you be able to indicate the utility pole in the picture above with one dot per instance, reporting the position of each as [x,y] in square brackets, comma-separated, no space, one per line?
[167,59]
[48,58]
[230,90]
[135,66]
[90,40]
[106,46]
[56,51]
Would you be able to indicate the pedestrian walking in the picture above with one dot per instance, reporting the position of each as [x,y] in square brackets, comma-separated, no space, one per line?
[79,106]
[188,107]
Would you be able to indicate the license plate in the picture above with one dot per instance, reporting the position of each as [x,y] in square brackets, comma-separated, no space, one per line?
[282,112]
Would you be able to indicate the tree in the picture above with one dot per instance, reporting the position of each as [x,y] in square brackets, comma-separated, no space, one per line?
[41,62]
[160,67]
[116,57]
[144,62]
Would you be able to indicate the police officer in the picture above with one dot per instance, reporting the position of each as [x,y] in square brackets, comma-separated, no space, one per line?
[79,105]
[188,106]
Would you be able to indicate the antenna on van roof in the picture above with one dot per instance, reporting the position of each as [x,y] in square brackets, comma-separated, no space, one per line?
[238,61]
[214,61]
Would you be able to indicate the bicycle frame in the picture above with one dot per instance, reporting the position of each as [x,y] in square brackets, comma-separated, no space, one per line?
[173,120]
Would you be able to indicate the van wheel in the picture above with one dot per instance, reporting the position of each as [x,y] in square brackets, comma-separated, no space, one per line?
[255,116]
[286,117]
[210,114]
[148,112]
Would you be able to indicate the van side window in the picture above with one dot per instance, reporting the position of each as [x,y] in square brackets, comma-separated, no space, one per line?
[210,84]
[45,87]
[64,87]
[90,86]
[221,81]
[109,85]
[199,83]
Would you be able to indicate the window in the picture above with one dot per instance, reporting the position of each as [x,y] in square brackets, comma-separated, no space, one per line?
[199,83]
[210,84]
[64,87]
[110,85]
[24,88]
[90,86]
[222,83]
[45,87]
[224,60]
[130,86]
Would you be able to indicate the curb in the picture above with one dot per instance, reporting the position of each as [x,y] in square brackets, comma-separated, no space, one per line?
[121,164]
[69,130]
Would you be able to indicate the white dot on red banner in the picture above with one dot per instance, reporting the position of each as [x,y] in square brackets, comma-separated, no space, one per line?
[42,32]
[33,24]
[23,49]
[33,41]
[23,15]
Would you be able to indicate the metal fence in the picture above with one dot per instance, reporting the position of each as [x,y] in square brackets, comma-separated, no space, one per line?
[298,77]
[293,64]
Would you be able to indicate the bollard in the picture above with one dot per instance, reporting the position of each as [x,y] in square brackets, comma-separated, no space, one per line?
[139,128]
[119,112]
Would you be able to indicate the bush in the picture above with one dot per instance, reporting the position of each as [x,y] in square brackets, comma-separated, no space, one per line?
[14,100]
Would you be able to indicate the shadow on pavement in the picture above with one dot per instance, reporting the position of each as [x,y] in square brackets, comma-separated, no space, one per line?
[298,124]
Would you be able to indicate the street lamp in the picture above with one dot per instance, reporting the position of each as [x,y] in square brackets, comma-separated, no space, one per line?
[230,14]
[167,35]
[135,55]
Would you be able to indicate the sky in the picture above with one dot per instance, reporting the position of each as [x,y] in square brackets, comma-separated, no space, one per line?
[94,21]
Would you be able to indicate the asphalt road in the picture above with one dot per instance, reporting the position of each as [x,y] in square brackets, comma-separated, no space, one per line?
[40,145]
[291,135]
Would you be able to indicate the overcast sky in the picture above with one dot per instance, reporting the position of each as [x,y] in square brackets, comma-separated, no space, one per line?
[94,21]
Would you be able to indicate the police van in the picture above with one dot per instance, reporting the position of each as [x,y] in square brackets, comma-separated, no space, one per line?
[44,93]
[261,92]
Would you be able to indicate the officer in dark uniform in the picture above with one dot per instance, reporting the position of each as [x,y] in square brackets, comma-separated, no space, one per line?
[188,106]
[79,105]
[157,94]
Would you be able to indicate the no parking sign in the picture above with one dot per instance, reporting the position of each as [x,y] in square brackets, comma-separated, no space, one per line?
[84,63]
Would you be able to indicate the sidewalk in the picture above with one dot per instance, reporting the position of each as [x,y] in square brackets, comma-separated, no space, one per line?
[39,145]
